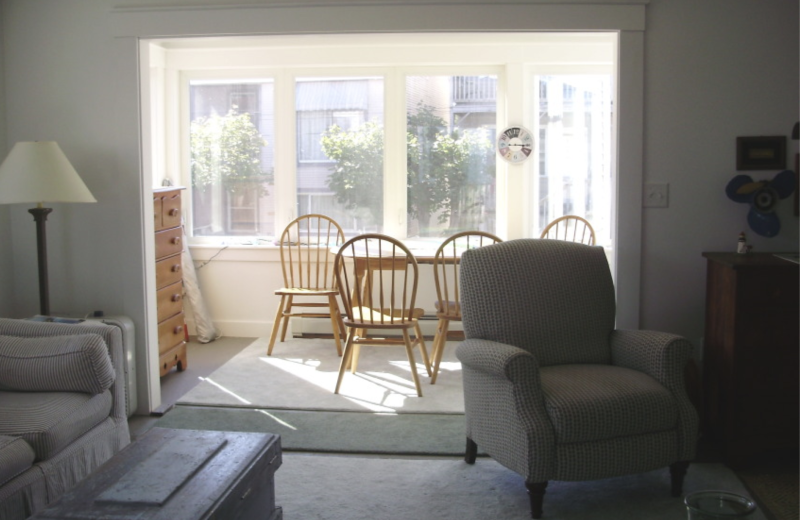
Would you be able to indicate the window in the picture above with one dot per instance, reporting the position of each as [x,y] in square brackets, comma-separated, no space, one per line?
[365,129]
[574,118]
[451,164]
[231,160]
[340,150]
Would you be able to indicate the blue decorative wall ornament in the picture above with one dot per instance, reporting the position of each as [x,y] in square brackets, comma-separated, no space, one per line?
[762,196]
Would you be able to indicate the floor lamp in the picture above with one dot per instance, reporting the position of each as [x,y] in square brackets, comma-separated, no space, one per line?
[38,172]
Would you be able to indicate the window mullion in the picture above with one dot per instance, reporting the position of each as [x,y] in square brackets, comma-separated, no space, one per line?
[394,158]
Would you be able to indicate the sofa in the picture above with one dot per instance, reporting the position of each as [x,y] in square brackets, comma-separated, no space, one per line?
[62,408]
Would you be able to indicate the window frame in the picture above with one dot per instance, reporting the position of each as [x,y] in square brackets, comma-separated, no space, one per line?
[284,78]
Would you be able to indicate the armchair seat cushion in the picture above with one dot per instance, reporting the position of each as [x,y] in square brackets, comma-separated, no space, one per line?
[50,421]
[16,456]
[592,402]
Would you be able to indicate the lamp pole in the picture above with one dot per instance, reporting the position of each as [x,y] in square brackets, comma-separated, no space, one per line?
[40,216]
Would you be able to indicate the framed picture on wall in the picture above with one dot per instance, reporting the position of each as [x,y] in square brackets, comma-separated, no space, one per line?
[761,153]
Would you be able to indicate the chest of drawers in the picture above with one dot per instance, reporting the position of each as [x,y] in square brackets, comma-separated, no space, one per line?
[751,355]
[169,279]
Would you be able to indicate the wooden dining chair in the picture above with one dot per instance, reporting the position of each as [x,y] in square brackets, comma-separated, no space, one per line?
[309,284]
[571,228]
[445,277]
[377,277]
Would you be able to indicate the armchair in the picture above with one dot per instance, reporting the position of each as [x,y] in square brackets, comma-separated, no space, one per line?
[552,391]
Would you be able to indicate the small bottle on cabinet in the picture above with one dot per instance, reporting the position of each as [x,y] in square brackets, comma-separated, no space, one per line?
[741,248]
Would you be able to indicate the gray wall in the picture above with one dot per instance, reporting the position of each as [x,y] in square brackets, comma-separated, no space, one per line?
[714,70]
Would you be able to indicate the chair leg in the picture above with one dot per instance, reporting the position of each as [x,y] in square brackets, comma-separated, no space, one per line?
[472,451]
[275,326]
[335,319]
[286,315]
[354,358]
[422,349]
[536,493]
[411,362]
[676,472]
[348,352]
[438,347]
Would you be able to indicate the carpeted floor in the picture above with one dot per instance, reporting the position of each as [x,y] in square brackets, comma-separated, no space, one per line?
[301,375]
[337,437]
[313,487]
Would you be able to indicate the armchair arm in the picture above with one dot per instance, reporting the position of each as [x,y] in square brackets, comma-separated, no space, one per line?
[499,359]
[505,407]
[664,357]
[660,355]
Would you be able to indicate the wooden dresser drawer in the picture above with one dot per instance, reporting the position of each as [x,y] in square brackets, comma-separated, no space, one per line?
[170,333]
[168,271]
[168,242]
[169,301]
[167,209]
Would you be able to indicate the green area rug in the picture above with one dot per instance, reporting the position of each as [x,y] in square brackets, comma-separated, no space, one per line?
[329,432]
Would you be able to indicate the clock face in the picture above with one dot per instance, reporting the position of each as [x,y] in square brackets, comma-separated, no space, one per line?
[515,144]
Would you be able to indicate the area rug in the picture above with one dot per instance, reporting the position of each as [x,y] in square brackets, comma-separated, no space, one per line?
[301,375]
[375,488]
[341,432]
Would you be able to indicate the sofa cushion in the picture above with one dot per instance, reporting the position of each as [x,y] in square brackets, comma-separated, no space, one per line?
[16,456]
[580,399]
[49,421]
[74,363]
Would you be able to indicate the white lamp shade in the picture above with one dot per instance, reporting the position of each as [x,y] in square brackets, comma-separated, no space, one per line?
[38,172]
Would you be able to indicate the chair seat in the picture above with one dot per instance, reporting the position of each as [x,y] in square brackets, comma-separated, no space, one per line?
[366,317]
[299,291]
[582,399]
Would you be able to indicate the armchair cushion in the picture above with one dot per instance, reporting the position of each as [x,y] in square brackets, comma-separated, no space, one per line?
[16,456]
[596,402]
[74,363]
[49,421]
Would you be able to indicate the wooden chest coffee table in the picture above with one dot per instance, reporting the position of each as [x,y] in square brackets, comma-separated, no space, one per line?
[180,475]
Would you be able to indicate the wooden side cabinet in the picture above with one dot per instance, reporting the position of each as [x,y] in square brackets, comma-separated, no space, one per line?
[750,355]
[169,279]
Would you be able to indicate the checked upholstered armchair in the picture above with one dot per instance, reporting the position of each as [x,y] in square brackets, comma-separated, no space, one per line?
[551,390]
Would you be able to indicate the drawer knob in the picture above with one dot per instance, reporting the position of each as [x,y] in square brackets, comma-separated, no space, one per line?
[176,297]
[176,268]
[178,329]
[174,211]
[176,240]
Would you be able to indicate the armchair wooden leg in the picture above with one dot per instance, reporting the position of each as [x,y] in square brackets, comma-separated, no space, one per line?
[472,451]
[536,493]
[676,472]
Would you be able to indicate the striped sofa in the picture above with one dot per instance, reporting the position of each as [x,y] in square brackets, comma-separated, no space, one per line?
[62,409]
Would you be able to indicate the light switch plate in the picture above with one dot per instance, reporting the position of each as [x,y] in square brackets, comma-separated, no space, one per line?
[656,195]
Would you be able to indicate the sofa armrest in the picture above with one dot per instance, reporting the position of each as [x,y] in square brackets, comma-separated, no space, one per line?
[73,363]
[110,334]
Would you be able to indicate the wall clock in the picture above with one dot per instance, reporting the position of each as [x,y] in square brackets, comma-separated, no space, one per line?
[515,144]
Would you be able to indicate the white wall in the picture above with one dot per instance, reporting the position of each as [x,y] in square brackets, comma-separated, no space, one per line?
[714,70]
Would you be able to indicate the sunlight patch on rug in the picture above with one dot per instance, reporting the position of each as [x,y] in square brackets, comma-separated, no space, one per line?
[301,375]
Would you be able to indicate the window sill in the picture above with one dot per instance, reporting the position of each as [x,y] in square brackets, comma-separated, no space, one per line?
[235,252]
